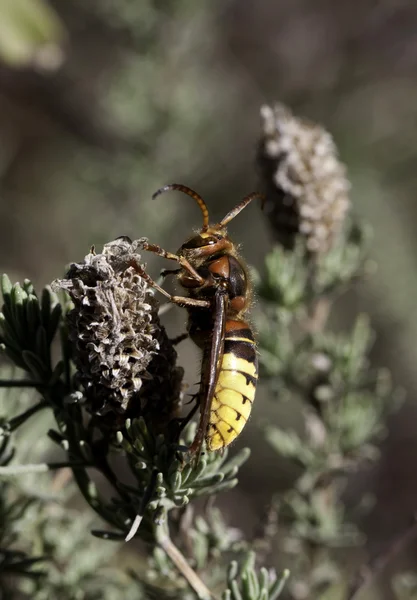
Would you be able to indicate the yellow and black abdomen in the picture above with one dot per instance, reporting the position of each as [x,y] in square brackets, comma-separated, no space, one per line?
[236,386]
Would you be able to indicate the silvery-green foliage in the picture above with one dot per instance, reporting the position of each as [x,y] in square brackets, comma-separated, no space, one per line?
[58,392]
[245,582]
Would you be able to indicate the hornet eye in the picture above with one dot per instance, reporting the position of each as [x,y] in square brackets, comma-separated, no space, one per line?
[200,242]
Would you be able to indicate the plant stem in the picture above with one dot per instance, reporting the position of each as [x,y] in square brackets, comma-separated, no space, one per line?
[319,314]
[20,419]
[24,383]
[184,568]
[368,573]
[61,479]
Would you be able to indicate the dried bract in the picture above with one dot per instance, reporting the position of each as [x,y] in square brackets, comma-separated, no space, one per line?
[305,183]
[124,358]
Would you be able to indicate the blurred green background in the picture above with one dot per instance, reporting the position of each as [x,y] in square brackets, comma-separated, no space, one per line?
[102,102]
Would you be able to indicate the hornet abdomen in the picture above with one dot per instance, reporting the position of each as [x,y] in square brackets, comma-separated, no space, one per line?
[236,386]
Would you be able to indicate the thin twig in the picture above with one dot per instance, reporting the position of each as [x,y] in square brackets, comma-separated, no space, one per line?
[368,573]
[184,568]
[185,527]
[61,479]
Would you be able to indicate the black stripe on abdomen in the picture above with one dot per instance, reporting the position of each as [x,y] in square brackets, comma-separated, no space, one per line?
[240,333]
[241,349]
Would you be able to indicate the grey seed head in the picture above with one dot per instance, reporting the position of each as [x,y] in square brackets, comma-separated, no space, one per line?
[124,358]
[306,185]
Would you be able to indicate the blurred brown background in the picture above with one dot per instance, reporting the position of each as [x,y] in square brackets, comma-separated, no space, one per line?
[102,102]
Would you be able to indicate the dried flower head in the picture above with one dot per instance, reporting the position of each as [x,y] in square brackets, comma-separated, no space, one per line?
[124,358]
[306,185]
